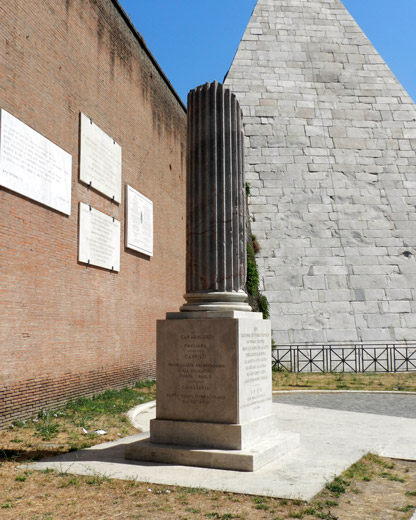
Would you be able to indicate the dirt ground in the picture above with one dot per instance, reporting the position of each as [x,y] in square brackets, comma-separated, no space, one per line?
[385,490]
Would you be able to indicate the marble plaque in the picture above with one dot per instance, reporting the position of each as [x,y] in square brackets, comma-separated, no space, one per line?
[99,238]
[255,373]
[139,222]
[100,160]
[33,166]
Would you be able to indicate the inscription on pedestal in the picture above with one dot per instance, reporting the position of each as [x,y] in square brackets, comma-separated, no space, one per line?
[100,160]
[33,166]
[255,370]
[99,238]
[214,370]
[196,367]
[196,371]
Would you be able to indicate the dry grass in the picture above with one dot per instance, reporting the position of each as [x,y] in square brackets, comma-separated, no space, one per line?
[374,488]
[400,382]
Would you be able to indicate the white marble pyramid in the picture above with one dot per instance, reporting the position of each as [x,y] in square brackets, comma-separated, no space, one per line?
[331,162]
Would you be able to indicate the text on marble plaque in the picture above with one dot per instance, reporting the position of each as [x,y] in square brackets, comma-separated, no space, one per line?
[33,166]
[99,238]
[139,222]
[100,160]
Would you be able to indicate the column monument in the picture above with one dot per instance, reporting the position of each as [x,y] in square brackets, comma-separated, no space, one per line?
[214,385]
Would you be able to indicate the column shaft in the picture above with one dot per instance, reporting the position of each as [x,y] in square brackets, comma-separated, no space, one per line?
[216,207]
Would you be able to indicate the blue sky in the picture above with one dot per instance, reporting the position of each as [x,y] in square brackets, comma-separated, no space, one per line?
[194,41]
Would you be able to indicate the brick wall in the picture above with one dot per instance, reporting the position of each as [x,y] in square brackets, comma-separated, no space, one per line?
[65,328]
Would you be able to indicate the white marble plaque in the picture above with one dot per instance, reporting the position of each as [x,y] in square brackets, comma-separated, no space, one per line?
[100,160]
[255,369]
[99,238]
[33,166]
[139,222]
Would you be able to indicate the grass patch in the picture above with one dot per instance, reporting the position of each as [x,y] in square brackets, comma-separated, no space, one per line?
[22,477]
[361,470]
[337,486]
[62,430]
[264,507]
[47,426]
[84,411]
[393,477]
[283,380]
[406,509]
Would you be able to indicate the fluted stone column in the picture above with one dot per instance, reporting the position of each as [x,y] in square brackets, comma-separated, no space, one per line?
[216,208]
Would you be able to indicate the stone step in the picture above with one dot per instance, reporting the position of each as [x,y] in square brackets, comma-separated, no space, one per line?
[268,450]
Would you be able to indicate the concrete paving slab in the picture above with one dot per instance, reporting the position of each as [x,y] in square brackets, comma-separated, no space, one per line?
[331,440]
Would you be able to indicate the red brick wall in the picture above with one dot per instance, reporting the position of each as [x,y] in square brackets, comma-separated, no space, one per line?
[67,329]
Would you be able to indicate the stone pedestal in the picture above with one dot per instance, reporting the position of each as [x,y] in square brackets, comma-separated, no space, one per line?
[214,395]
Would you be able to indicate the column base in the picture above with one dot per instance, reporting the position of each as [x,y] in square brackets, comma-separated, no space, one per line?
[216,301]
[199,315]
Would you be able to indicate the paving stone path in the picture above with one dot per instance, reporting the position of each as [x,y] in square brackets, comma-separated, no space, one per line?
[396,405]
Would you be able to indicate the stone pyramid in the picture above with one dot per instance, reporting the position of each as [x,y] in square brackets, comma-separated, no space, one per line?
[331,162]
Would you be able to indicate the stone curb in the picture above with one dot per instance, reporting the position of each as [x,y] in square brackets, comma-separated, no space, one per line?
[133,414]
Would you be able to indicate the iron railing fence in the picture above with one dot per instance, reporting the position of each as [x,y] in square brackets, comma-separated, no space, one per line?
[358,357]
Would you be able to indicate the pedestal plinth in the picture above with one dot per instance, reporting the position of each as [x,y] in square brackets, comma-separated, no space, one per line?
[214,395]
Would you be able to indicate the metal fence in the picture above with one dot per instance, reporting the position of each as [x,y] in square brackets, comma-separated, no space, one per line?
[342,358]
